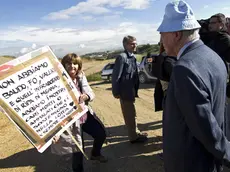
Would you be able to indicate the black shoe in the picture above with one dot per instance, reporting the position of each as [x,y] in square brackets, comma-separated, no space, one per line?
[140,139]
[99,158]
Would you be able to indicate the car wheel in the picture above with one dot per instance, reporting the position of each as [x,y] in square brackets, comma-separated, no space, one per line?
[142,78]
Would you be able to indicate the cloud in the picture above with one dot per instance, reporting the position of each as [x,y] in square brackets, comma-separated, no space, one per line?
[141,4]
[56,16]
[206,6]
[65,40]
[24,50]
[87,17]
[66,35]
[226,8]
[82,46]
[33,46]
[97,7]
[80,8]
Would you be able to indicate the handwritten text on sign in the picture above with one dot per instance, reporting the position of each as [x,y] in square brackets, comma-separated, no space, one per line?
[38,96]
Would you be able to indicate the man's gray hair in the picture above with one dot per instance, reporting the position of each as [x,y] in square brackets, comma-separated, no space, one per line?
[191,34]
[127,39]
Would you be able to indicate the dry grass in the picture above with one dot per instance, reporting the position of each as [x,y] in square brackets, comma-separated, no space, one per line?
[4,59]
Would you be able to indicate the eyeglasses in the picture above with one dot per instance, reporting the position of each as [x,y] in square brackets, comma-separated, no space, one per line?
[133,44]
[214,22]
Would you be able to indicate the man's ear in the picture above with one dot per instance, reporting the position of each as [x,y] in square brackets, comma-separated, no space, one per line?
[222,26]
[178,36]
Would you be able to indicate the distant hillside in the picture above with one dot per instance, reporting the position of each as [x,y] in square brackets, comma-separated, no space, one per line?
[141,49]
[148,48]
[4,59]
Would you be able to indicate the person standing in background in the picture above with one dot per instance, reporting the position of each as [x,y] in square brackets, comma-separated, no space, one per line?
[125,84]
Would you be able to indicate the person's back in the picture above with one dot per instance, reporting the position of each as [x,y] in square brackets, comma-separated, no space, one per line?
[208,73]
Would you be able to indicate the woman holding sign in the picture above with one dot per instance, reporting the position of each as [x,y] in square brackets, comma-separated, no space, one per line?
[88,123]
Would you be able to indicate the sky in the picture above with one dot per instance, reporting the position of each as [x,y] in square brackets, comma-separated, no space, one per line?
[86,26]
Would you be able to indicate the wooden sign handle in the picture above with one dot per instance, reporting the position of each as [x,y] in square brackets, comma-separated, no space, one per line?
[77,144]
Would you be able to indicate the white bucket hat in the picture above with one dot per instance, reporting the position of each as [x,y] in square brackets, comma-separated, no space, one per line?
[178,16]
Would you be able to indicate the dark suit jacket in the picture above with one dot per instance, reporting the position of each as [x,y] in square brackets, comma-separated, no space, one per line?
[193,116]
[162,69]
[218,42]
[125,80]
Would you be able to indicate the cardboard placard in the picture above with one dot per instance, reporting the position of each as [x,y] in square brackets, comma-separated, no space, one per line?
[38,96]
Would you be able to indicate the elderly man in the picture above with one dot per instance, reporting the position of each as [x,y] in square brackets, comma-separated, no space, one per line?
[125,84]
[193,117]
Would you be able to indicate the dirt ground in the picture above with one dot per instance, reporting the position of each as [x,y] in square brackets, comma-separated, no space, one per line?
[18,155]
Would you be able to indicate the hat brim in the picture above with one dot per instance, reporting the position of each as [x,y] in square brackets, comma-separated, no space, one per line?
[174,26]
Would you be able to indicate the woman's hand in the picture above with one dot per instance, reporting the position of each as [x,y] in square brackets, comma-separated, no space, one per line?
[83,98]
[55,139]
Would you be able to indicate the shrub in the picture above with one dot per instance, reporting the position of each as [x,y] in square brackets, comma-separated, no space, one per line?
[94,77]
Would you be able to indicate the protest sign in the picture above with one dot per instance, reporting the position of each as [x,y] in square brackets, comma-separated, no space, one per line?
[38,96]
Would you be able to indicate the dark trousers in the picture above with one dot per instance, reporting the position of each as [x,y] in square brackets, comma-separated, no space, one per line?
[94,127]
[77,162]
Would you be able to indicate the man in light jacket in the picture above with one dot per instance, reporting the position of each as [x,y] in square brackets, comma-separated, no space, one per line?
[193,116]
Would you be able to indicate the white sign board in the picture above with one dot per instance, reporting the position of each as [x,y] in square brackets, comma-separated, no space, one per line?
[38,96]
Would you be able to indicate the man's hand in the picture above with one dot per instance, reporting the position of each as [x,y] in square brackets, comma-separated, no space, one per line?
[117,97]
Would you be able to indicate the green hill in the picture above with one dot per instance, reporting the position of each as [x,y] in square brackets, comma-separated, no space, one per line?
[148,48]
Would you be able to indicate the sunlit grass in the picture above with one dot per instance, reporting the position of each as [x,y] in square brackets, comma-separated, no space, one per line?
[94,77]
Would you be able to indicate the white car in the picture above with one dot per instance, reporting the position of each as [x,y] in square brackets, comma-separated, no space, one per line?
[106,73]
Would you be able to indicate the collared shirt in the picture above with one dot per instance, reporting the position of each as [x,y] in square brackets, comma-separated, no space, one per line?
[131,54]
[185,46]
